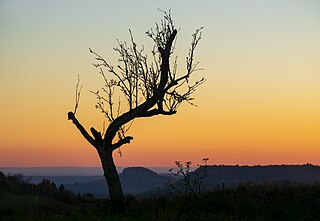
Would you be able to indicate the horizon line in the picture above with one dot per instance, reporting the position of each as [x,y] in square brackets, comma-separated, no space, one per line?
[124,166]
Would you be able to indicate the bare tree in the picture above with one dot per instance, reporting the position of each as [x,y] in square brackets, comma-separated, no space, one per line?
[148,88]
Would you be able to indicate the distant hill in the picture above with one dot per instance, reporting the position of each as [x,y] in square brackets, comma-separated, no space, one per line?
[137,180]
[134,180]
[232,176]
[66,171]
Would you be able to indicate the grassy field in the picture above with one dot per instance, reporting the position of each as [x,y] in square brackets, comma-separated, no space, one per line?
[268,202]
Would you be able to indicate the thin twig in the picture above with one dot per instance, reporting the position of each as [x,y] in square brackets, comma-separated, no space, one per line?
[78,92]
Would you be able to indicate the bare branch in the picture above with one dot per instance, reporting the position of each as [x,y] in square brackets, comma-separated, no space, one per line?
[155,111]
[97,135]
[82,130]
[78,92]
[110,68]
[125,140]
[162,33]
[196,37]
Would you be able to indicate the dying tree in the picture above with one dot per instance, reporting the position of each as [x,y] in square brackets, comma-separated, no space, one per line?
[143,87]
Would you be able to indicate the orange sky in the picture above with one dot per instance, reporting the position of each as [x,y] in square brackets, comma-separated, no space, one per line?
[259,105]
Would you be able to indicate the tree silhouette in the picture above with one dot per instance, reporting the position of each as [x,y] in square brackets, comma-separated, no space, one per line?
[148,88]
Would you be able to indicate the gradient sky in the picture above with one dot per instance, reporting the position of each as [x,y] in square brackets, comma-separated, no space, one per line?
[260,104]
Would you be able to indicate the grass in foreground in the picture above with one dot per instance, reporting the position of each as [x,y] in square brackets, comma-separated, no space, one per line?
[247,202]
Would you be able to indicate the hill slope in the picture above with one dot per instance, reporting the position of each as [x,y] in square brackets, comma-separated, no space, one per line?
[231,176]
[134,180]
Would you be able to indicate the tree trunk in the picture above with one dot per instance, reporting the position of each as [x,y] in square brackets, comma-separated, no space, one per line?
[112,177]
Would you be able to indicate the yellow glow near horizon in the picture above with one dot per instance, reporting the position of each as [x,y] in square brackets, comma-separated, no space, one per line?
[259,105]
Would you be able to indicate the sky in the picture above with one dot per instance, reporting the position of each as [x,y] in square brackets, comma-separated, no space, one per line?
[259,105]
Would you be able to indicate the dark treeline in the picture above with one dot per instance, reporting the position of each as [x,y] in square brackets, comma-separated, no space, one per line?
[17,183]
[21,200]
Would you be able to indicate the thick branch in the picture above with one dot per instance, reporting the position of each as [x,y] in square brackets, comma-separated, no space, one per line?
[96,135]
[83,131]
[155,111]
[170,41]
[121,142]
[165,54]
